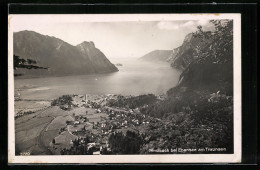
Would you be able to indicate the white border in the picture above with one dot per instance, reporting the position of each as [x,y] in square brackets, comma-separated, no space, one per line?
[173,158]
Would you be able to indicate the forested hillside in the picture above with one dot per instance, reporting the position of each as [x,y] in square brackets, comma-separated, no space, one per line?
[199,110]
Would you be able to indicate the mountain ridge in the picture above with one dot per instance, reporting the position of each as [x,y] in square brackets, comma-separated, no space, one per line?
[183,55]
[61,57]
[156,55]
[179,57]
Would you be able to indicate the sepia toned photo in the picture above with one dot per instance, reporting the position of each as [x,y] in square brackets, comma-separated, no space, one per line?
[124,88]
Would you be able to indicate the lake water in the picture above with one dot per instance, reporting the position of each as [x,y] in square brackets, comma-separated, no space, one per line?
[135,77]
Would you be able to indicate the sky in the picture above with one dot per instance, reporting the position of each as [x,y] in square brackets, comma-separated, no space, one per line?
[115,36]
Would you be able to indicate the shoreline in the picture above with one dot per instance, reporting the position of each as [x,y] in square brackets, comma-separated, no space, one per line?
[53,76]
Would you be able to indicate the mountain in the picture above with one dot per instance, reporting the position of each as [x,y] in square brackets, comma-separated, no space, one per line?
[157,55]
[61,57]
[96,57]
[182,56]
[200,109]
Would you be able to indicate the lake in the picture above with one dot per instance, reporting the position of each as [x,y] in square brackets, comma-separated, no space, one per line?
[134,77]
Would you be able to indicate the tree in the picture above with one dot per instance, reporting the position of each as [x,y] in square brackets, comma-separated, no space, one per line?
[27,64]
[125,144]
[53,141]
[220,49]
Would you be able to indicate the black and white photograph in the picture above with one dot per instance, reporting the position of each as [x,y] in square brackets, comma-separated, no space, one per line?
[124,88]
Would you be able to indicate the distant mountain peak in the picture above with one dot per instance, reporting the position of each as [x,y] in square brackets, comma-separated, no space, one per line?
[157,55]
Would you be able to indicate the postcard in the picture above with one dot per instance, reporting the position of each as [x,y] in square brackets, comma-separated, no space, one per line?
[124,88]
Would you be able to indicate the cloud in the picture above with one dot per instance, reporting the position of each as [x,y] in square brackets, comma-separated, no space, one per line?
[203,22]
[188,24]
[167,25]
[171,25]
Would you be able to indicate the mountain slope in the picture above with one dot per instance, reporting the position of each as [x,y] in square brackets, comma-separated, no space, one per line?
[199,110]
[182,56]
[157,55]
[61,57]
[95,56]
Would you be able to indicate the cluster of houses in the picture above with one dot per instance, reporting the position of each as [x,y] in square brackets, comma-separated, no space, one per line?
[116,119]
[121,119]
[95,102]
[130,118]
[96,147]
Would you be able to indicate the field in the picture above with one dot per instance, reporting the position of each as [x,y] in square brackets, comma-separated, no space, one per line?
[30,129]
[34,132]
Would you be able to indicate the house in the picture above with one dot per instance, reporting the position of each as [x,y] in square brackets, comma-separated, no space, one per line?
[90,145]
[69,122]
[71,142]
[76,122]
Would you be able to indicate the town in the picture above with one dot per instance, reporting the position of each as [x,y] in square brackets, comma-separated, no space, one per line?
[94,120]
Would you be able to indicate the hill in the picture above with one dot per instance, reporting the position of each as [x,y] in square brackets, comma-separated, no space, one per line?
[59,56]
[182,56]
[157,55]
[198,112]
